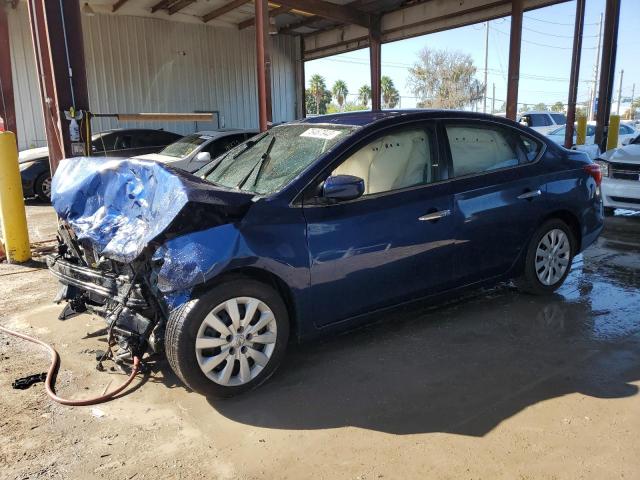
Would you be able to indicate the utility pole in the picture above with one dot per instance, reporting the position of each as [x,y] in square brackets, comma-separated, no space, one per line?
[619,92]
[493,99]
[596,72]
[632,110]
[486,65]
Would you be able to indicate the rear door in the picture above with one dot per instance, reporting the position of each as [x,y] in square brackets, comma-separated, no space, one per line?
[498,195]
[390,245]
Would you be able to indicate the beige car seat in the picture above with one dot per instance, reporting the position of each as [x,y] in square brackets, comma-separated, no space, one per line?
[478,150]
[391,162]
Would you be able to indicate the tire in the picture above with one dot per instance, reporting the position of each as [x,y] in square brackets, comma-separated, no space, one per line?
[549,276]
[234,361]
[609,211]
[42,187]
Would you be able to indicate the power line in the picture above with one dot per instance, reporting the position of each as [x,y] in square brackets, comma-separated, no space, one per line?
[554,23]
[555,35]
[543,44]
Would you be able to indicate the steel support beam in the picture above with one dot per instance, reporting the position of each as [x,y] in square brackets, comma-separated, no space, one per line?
[375,63]
[222,10]
[331,11]
[575,73]
[263,58]
[607,70]
[7,101]
[301,101]
[274,12]
[515,42]
[61,70]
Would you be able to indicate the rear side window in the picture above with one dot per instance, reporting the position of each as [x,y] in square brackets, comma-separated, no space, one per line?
[537,120]
[531,148]
[481,148]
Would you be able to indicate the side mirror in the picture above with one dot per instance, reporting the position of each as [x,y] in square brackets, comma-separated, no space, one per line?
[343,187]
[626,141]
[203,157]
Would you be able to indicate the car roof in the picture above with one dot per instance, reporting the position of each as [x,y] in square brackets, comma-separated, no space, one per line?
[112,130]
[367,117]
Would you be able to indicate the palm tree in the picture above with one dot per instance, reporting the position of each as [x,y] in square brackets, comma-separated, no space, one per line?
[364,95]
[390,94]
[317,87]
[340,92]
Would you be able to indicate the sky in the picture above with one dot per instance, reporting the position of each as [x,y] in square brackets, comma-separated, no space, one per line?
[547,39]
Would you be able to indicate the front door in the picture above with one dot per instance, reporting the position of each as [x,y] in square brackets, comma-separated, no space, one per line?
[394,243]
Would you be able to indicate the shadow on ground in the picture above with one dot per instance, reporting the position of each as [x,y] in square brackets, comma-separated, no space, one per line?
[465,367]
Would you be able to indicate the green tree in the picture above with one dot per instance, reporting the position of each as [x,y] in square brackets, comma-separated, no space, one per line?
[444,79]
[340,92]
[540,106]
[312,106]
[390,95]
[317,89]
[364,95]
[557,107]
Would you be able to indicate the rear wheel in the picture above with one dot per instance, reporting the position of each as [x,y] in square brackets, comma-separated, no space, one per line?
[42,187]
[228,340]
[548,259]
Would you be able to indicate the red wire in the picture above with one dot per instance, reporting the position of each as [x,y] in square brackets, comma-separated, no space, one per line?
[55,360]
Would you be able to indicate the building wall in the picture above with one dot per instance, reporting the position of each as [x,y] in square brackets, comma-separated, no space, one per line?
[137,64]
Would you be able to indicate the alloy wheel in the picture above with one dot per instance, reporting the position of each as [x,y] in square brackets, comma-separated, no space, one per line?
[236,340]
[552,256]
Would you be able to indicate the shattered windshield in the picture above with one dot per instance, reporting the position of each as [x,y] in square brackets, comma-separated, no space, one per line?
[269,161]
[185,146]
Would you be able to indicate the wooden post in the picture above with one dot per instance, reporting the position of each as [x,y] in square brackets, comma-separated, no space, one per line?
[515,41]
[7,101]
[375,62]
[263,54]
[56,30]
[575,72]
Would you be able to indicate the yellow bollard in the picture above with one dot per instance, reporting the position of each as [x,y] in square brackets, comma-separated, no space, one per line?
[12,213]
[581,131]
[613,131]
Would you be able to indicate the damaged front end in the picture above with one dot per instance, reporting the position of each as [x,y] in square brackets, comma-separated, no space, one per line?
[131,244]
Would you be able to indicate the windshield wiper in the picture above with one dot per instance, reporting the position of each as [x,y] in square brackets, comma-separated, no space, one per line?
[250,144]
[259,163]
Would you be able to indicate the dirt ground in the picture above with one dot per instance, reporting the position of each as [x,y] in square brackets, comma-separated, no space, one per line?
[496,385]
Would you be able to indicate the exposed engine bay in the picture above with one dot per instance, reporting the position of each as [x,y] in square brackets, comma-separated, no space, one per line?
[135,237]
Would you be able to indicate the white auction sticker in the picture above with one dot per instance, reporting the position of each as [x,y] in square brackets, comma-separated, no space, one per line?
[322,133]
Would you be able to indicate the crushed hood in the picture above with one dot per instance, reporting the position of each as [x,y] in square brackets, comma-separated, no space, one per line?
[627,154]
[122,205]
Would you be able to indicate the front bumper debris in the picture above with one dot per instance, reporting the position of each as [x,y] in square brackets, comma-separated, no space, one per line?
[106,285]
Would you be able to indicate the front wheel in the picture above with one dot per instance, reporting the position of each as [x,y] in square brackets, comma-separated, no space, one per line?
[549,257]
[42,187]
[230,339]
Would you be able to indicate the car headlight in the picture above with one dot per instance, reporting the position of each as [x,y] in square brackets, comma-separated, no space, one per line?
[604,167]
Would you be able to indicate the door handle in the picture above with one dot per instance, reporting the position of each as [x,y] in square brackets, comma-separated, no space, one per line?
[429,217]
[529,195]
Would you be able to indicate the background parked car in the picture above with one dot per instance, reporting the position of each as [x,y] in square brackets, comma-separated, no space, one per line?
[34,163]
[542,121]
[625,134]
[621,177]
[192,152]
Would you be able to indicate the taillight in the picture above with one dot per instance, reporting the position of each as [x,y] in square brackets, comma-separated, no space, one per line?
[593,169]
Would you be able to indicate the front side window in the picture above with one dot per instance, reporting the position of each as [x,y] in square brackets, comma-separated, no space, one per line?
[269,161]
[480,148]
[396,160]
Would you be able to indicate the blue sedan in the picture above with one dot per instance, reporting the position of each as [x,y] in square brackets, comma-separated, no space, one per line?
[314,227]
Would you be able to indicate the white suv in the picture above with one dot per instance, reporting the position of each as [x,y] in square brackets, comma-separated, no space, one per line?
[542,121]
[621,177]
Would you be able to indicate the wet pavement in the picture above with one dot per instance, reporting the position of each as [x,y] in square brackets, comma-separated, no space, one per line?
[493,385]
